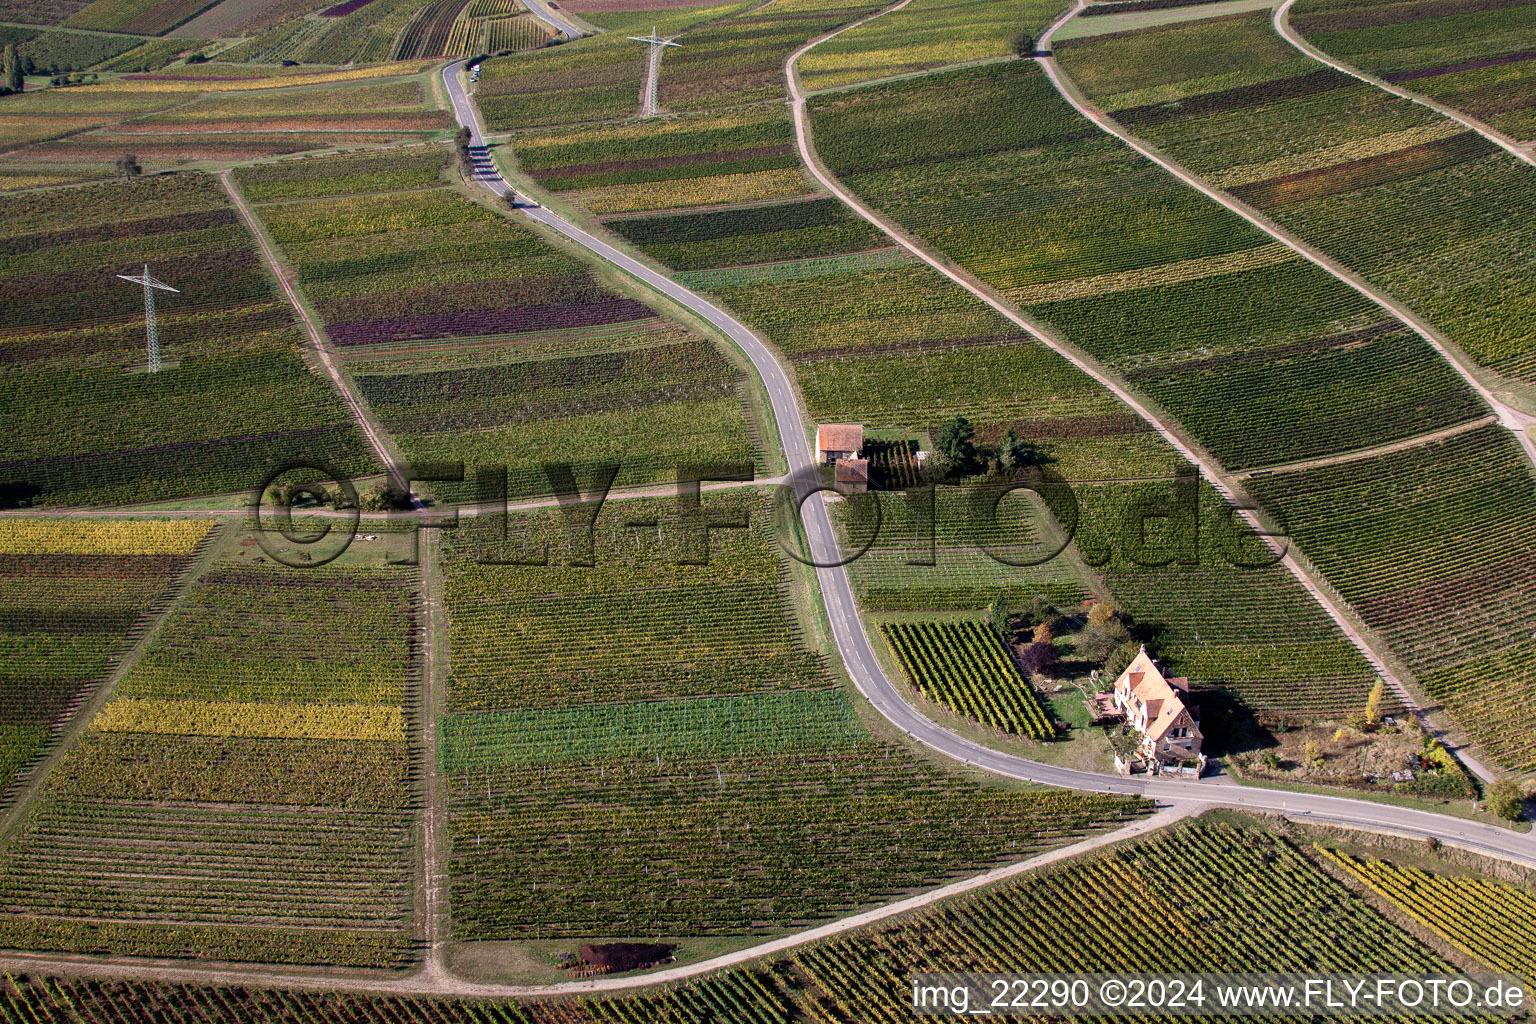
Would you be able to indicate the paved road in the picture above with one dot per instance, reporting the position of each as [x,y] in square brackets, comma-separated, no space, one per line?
[1225,485]
[853,641]
[540,9]
[1526,154]
[1175,799]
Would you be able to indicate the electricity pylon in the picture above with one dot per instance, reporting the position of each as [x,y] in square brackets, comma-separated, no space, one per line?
[653,70]
[151,332]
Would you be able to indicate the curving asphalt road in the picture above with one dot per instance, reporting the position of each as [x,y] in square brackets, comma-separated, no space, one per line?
[853,641]
[540,9]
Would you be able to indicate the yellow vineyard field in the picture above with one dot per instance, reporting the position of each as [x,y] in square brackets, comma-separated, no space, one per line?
[248,719]
[27,536]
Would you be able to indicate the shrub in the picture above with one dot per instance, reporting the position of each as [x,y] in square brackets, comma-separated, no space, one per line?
[1506,799]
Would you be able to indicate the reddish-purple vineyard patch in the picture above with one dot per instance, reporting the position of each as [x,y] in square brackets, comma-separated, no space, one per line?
[1466,65]
[515,320]
[344,8]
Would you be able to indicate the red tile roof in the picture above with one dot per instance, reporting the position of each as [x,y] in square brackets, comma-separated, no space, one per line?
[840,437]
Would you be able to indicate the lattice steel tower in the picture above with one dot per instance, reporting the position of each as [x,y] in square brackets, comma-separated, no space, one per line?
[653,69]
[151,332]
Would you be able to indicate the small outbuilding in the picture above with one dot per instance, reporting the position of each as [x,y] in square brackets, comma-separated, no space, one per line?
[851,476]
[836,441]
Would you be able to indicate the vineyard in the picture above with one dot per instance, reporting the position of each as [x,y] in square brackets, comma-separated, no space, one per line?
[390,171]
[678,707]
[547,362]
[752,996]
[1322,153]
[924,34]
[1248,900]
[558,635]
[1262,357]
[740,59]
[597,78]
[214,112]
[739,156]
[895,574]
[966,668]
[729,846]
[256,756]
[1444,578]
[74,593]
[1220,896]
[496,26]
[235,396]
[1478,61]
[1489,921]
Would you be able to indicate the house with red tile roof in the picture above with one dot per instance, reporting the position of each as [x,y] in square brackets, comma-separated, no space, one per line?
[836,441]
[1160,709]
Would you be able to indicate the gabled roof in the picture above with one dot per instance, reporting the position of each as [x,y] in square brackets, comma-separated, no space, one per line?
[840,437]
[1164,702]
[852,471]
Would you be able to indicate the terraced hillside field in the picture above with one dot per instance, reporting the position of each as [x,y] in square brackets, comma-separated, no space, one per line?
[1262,357]
[1477,58]
[479,342]
[84,422]
[1442,574]
[76,596]
[606,767]
[1322,154]
[247,792]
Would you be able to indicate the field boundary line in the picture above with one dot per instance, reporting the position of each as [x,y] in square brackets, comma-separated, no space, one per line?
[1293,36]
[1514,419]
[371,430]
[1310,579]
[441,983]
[1406,444]
[32,783]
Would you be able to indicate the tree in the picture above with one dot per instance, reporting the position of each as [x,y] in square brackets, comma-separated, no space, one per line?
[1102,613]
[1015,453]
[461,146]
[1373,703]
[1313,753]
[999,617]
[956,442]
[1506,800]
[1038,659]
[14,79]
[128,166]
[1043,634]
[1040,609]
[1119,660]
[1023,43]
[1098,642]
[383,498]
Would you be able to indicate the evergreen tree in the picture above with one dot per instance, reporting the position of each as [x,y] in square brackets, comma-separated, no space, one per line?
[13,70]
